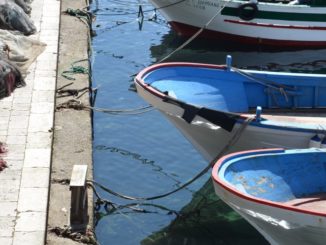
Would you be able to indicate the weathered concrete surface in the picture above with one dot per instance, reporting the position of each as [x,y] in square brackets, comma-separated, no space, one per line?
[72,143]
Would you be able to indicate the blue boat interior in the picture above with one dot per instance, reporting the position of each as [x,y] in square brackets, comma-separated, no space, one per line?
[238,91]
[278,177]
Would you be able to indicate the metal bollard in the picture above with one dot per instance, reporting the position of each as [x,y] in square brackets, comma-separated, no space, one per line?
[79,200]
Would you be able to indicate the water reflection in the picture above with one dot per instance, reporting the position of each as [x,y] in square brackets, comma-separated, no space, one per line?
[206,220]
[247,57]
[144,155]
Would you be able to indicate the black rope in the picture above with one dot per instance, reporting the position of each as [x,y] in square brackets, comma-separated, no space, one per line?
[231,142]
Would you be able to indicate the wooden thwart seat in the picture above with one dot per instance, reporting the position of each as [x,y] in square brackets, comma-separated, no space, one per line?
[315,202]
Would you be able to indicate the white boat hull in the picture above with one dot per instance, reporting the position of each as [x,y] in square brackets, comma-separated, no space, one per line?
[210,139]
[188,16]
[278,226]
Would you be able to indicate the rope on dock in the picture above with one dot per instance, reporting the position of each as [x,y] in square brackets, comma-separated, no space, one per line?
[86,237]
[78,105]
[233,140]
[75,69]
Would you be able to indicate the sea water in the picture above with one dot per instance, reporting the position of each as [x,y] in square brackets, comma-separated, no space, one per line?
[142,154]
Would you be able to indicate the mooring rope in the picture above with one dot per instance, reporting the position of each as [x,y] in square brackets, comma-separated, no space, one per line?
[78,105]
[194,35]
[270,84]
[233,140]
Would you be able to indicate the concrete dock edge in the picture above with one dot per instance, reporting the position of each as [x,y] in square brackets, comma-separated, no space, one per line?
[72,140]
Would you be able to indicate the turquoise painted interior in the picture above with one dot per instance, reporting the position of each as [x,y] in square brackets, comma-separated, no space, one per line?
[280,176]
[230,91]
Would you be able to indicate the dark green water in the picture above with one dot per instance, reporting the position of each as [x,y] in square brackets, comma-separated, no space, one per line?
[144,155]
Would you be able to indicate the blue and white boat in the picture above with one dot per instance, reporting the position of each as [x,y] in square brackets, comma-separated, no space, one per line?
[210,103]
[282,193]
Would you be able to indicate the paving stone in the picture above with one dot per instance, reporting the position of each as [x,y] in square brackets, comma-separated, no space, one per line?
[39,140]
[35,178]
[7,226]
[8,209]
[31,221]
[20,113]
[29,238]
[15,164]
[4,125]
[21,106]
[18,122]
[22,100]
[15,152]
[9,185]
[37,158]
[42,107]
[25,120]
[6,240]
[8,194]
[16,139]
[10,174]
[40,123]
[45,83]
[43,96]
[4,112]
[17,131]
[36,204]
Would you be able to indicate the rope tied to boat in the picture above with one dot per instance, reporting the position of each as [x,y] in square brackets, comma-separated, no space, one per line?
[270,84]
[233,140]
[78,105]
[83,15]
[196,34]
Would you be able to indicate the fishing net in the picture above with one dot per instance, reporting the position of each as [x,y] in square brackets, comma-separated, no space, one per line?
[17,53]
[10,78]
[13,17]
[19,50]
[3,163]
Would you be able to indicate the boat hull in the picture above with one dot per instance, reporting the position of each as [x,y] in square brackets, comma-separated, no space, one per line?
[271,26]
[210,139]
[277,225]
[280,192]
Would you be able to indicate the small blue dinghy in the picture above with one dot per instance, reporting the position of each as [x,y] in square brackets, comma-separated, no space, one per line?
[282,193]
[211,103]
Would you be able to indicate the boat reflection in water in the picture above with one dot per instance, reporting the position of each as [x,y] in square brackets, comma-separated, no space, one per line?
[206,220]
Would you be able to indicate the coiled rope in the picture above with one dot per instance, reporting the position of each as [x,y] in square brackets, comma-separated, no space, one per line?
[233,140]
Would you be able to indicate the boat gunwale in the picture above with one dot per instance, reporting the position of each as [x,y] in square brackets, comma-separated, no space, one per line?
[240,117]
[229,188]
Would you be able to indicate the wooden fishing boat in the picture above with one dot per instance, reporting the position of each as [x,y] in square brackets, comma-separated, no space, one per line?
[282,193]
[210,103]
[270,23]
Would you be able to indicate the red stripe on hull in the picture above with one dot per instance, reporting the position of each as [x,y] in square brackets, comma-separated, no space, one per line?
[187,31]
[318,28]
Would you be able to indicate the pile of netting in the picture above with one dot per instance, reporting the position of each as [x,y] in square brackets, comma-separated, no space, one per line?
[3,163]
[14,16]
[17,51]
